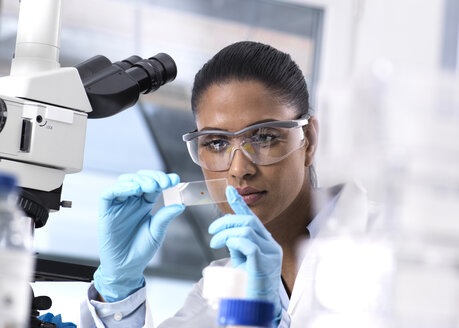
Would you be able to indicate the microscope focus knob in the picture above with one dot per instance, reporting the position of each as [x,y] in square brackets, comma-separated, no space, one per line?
[41,303]
[33,209]
[3,114]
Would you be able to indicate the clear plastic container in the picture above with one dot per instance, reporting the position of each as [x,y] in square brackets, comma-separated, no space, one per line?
[218,283]
[16,259]
[397,134]
[404,281]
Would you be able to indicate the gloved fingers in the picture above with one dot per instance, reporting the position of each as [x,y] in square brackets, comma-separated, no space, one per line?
[121,191]
[162,218]
[150,187]
[244,254]
[118,193]
[47,317]
[237,258]
[221,238]
[237,202]
[151,182]
[57,320]
[68,325]
[244,246]
[165,180]
[230,221]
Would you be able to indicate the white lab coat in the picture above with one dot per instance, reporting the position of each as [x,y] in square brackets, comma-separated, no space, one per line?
[352,210]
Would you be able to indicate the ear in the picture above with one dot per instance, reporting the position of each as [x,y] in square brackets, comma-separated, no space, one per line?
[312,133]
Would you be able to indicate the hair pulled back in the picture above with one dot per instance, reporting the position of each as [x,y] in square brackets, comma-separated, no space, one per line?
[254,61]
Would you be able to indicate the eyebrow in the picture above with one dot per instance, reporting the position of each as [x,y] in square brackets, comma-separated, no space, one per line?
[254,123]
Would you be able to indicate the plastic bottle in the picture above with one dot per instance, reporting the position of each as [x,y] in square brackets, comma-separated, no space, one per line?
[218,283]
[238,313]
[16,260]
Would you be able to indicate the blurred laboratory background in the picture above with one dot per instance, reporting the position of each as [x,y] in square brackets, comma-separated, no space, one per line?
[383,77]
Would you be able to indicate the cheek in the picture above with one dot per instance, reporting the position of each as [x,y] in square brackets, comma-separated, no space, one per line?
[291,186]
[288,181]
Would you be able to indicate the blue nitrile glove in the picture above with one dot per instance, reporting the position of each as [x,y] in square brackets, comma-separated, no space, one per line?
[57,320]
[129,235]
[252,248]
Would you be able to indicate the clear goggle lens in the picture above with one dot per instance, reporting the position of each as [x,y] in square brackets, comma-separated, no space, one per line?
[263,145]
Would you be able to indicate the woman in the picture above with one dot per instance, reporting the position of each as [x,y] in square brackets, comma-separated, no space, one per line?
[254,128]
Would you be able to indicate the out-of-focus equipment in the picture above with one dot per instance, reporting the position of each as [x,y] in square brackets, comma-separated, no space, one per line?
[43,114]
[223,282]
[397,131]
[39,303]
[49,319]
[16,259]
[44,107]
[218,283]
[227,302]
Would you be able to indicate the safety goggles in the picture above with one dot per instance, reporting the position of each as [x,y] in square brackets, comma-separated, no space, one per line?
[263,143]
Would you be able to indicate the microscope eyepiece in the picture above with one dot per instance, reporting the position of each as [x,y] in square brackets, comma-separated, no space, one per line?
[168,64]
[112,88]
[128,62]
[153,72]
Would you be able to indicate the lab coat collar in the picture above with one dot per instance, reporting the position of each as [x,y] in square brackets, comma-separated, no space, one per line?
[321,218]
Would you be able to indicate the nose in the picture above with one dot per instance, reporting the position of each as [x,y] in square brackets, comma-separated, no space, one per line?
[241,166]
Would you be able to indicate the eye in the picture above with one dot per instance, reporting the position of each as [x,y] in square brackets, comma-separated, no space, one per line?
[215,144]
[265,137]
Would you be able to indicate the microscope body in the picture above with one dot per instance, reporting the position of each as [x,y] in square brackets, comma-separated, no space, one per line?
[40,143]
[43,111]
[44,107]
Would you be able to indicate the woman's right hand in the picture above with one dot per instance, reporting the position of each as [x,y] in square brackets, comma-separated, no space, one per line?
[252,249]
[129,235]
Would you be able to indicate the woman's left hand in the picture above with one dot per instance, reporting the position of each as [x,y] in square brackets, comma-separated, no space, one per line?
[252,248]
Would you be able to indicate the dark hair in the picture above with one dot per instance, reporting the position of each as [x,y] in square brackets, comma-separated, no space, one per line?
[246,61]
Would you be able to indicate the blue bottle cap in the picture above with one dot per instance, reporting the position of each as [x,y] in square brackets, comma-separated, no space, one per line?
[246,313]
[7,181]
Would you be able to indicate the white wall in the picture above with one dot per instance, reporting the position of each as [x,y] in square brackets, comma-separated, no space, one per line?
[359,38]
[356,32]
[408,32]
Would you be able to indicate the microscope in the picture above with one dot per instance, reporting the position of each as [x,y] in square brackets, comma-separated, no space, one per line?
[44,109]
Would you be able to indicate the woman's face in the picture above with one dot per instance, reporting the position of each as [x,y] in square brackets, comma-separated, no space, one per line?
[268,189]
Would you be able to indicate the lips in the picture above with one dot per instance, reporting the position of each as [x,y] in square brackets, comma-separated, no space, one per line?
[250,195]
